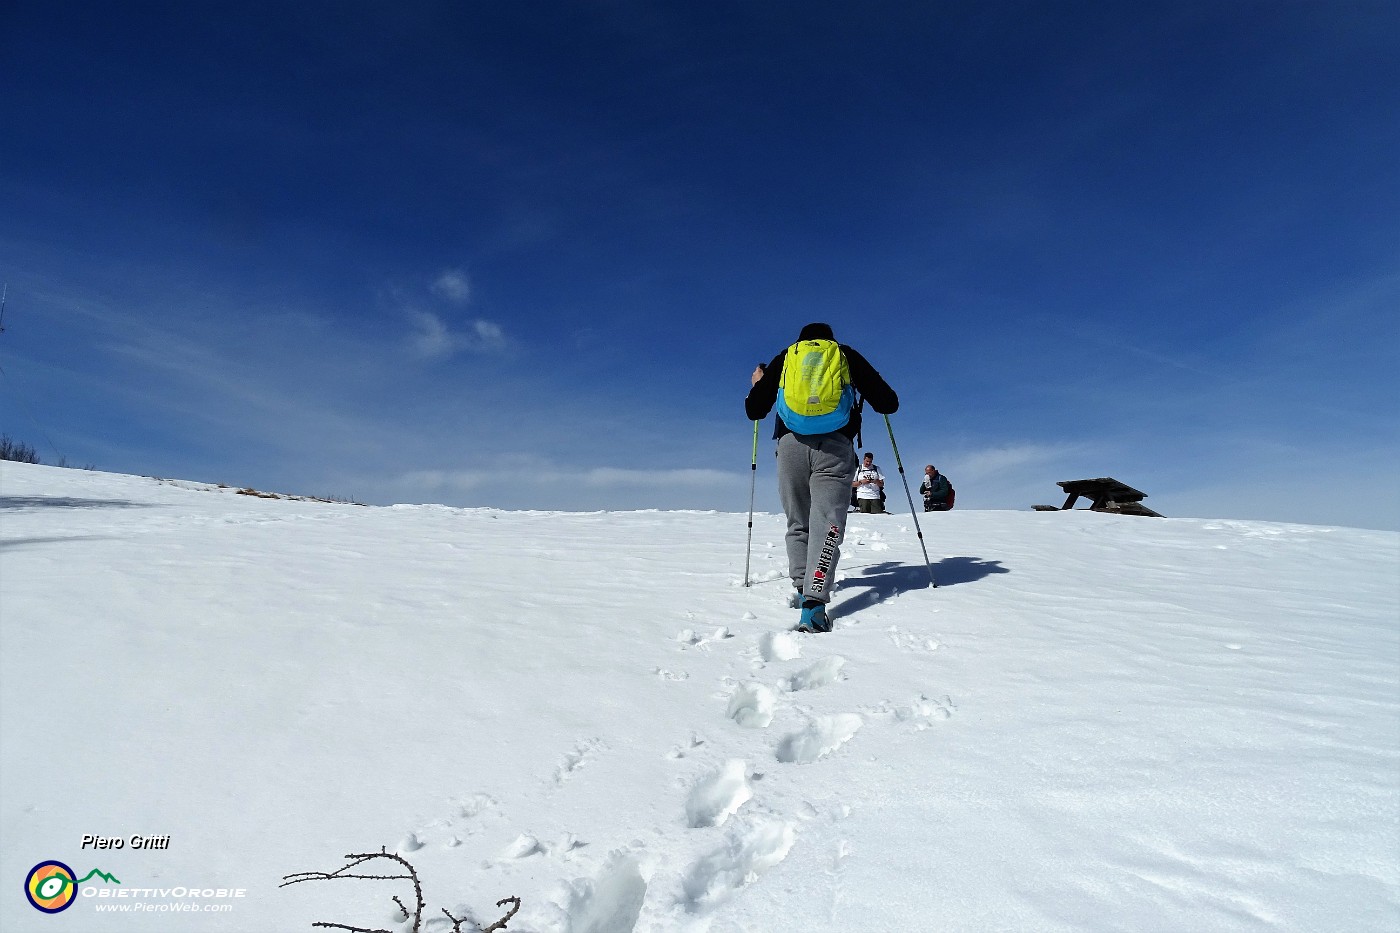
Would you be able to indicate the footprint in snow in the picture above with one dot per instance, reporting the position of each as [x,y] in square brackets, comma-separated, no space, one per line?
[689,638]
[821,737]
[523,846]
[744,858]
[906,641]
[824,672]
[925,712]
[527,844]
[610,901]
[681,751]
[471,812]
[577,759]
[718,795]
[922,712]
[475,805]
[779,646]
[455,826]
[752,705]
[670,675]
[836,813]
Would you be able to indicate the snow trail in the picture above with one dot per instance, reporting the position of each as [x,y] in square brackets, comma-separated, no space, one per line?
[1203,739]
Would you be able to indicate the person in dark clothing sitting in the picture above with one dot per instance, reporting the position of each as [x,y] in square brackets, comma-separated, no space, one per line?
[936,490]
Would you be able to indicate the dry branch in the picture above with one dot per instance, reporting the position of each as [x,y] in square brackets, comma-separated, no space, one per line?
[355,860]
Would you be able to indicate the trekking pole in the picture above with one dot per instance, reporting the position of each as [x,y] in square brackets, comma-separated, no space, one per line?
[753,484]
[907,495]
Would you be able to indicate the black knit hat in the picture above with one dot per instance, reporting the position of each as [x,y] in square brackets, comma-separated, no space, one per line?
[816,331]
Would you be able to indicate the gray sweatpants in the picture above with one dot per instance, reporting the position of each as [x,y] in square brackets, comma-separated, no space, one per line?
[814,482]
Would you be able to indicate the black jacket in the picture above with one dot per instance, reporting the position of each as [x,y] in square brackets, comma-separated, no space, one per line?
[936,487]
[867,381]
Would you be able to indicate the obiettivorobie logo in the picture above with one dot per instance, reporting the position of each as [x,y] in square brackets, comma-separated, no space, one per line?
[52,886]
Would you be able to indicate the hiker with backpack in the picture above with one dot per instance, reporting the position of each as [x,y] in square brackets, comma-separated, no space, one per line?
[936,490]
[869,486]
[814,384]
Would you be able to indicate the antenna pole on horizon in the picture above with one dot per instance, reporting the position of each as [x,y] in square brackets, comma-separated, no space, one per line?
[753,484]
[899,463]
[3,293]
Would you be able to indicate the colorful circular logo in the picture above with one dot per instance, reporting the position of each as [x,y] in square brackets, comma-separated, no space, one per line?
[50,887]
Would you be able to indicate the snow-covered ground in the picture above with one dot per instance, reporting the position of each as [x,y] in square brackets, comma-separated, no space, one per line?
[1095,723]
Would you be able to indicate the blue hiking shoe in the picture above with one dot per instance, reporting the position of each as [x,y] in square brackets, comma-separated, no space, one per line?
[795,599]
[814,618]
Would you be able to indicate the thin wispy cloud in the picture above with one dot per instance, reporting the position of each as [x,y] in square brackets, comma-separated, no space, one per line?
[205,383]
[1014,458]
[453,285]
[433,339]
[541,475]
[660,479]
[487,335]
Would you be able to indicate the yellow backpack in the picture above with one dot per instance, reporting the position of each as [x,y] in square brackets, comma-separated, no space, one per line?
[815,395]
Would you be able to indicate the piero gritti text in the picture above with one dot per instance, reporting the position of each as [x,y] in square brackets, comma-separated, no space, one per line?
[130,842]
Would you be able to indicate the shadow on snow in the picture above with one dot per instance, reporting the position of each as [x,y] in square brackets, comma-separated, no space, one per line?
[64,502]
[884,580]
[15,543]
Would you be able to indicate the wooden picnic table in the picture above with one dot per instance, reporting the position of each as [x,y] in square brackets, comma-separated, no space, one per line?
[1106,494]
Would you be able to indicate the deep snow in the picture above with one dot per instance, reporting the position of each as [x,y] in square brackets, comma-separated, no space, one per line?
[1095,723]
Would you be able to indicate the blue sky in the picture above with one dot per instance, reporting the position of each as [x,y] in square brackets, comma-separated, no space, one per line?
[526,254]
